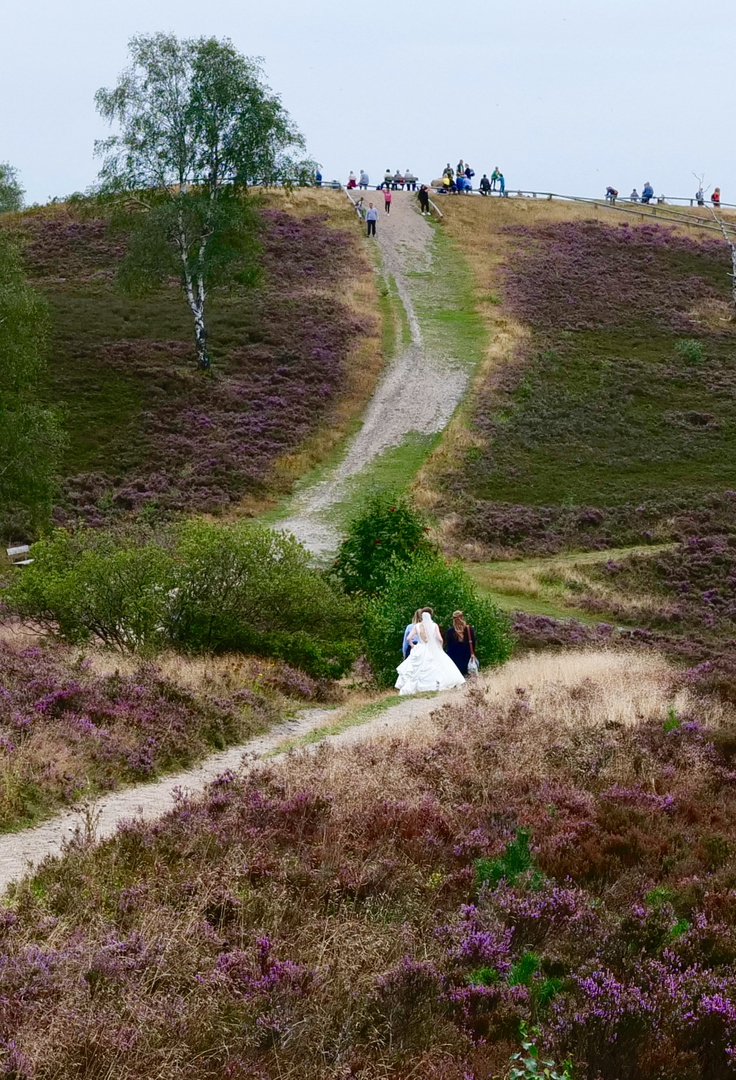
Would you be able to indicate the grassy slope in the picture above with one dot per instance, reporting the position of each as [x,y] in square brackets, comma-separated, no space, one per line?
[595,411]
[143,424]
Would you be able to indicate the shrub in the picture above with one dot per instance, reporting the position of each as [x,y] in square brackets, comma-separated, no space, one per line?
[203,587]
[431,582]
[387,532]
[690,350]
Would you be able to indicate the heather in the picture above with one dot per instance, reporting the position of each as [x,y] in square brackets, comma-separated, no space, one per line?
[73,726]
[613,421]
[148,434]
[556,850]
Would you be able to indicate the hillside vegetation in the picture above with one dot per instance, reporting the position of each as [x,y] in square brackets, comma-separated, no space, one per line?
[557,849]
[294,361]
[605,414]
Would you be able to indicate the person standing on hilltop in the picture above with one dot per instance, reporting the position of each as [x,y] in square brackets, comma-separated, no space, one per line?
[387,199]
[423,196]
[371,217]
[460,170]
[364,181]
[716,197]
[700,197]
[448,171]
[494,178]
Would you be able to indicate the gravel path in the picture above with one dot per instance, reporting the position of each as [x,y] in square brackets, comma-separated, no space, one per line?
[20,852]
[418,392]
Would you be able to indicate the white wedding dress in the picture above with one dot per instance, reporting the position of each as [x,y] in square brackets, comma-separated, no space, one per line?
[427,667]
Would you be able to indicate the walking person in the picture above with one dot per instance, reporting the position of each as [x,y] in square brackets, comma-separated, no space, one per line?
[423,196]
[387,199]
[460,642]
[371,217]
[427,666]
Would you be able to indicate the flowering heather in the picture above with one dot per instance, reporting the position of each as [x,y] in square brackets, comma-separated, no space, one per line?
[330,918]
[156,434]
[614,423]
[67,732]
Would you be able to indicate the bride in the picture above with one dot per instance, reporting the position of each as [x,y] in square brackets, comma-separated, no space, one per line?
[427,667]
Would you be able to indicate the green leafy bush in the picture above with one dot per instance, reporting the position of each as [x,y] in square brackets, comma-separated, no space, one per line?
[690,350]
[387,532]
[527,1064]
[203,587]
[429,581]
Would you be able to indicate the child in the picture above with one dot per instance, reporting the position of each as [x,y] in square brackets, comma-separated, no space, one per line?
[387,197]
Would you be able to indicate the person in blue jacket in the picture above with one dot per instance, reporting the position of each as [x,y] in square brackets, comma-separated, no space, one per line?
[406,645]
[647,192]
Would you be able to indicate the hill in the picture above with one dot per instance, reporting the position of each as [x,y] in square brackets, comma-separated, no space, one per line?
[605,413]
[294,360]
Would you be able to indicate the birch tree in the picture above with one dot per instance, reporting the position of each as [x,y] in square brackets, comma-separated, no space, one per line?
[197,126]
[11,193]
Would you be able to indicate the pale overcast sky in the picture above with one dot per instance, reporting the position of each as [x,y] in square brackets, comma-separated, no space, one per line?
[564,95]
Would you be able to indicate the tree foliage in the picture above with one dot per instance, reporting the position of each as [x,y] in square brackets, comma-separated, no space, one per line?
[11,192]
[198,125]
[429,581]
[30,435]
[388,531]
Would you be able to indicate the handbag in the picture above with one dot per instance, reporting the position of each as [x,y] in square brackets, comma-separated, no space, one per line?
[473,666]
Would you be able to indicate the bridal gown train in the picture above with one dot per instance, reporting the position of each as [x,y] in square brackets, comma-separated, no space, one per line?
[427,667]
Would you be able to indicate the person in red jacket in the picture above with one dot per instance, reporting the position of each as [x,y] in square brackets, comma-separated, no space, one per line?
[716,197]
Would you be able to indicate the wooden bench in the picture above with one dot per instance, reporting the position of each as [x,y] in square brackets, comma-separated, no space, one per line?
[19,555]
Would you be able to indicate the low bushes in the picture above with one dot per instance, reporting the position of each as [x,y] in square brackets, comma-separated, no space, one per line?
[429,581]
[200,587]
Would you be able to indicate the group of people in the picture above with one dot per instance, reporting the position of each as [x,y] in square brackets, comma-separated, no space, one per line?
[647,194]
[397,181]
[434,662]
[461,179]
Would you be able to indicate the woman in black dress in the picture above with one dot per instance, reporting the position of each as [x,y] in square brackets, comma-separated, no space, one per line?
[460,641]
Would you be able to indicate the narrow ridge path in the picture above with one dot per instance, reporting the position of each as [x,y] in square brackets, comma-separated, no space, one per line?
[419,390]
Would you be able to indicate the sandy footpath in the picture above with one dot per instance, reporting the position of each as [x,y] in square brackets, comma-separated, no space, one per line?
[21,851]
[418,392]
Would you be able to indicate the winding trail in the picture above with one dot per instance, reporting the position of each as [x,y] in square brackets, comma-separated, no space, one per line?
[418,391]
[21,851]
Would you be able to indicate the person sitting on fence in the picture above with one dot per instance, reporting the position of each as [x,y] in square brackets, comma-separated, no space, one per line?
[352,181]
[410,180]
[485,185]
[364,181]
[699,197]
[634,196]
[447,184]
[398,181]
[463,184]
[716,197]
[494,178]
[388,178]
[647,192]
[611,194]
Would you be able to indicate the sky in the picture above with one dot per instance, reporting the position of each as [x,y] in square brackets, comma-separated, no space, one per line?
[565,96]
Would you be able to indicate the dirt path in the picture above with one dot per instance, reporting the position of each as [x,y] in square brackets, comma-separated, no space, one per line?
[418,392]
[21,851]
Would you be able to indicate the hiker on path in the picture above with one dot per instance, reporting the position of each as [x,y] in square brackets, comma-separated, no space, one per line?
[700,197]
[387,197]
[364,181]
[460,642]
[716,197]
[495,175]
[647,192]
[423,196]
[371,217]
[485,185]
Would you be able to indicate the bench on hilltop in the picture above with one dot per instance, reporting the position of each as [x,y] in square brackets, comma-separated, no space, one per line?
[19,555]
